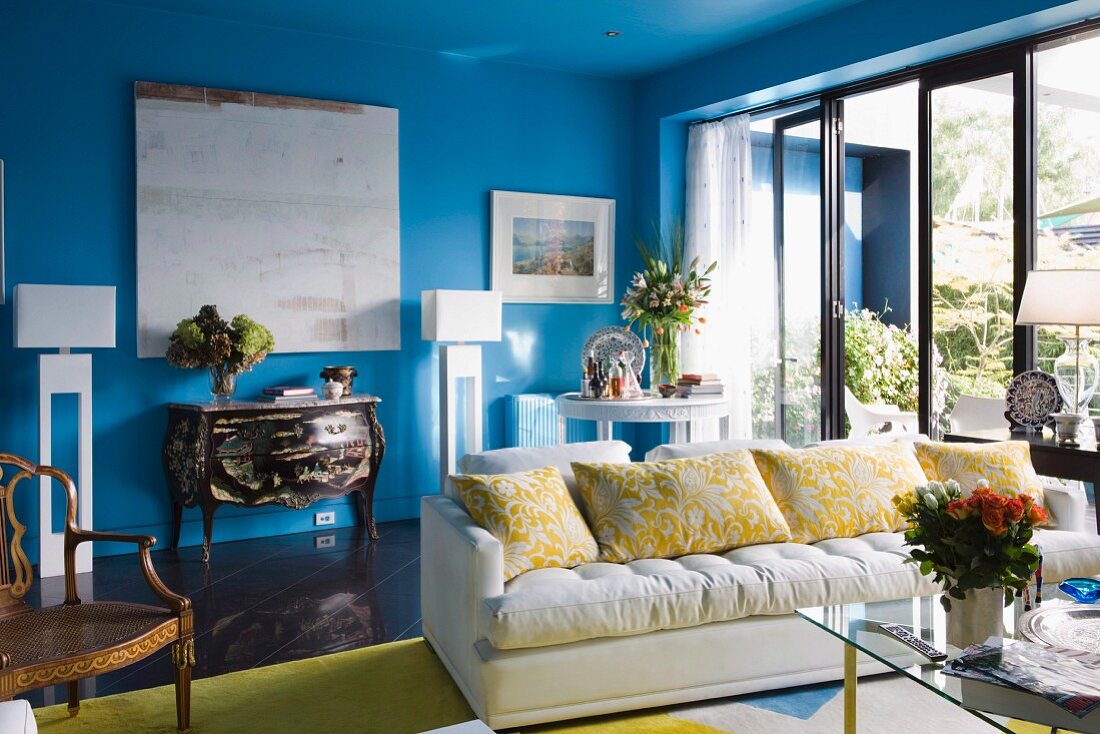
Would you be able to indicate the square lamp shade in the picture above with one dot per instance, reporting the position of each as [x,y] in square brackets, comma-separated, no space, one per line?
[460,316]
[64,316]
[1061,298]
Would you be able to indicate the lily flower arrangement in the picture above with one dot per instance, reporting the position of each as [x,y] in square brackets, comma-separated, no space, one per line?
[664,298]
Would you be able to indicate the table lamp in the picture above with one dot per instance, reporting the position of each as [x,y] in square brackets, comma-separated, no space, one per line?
[64,317]
[1066,298]
[459,316]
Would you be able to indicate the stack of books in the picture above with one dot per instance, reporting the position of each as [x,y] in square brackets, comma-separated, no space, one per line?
[705,384]
[288,394]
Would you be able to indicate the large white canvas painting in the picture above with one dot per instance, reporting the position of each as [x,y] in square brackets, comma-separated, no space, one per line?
[282,208]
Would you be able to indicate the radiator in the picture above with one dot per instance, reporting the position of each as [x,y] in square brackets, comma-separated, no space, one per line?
[532,420]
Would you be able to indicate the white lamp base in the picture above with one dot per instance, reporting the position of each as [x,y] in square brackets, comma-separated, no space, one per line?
[61,374]
[458,362]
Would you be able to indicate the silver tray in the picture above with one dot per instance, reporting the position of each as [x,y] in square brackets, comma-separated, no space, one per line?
[1075,626]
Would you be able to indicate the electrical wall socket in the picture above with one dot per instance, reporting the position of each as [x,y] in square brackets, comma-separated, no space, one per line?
[324,518]
[324,541]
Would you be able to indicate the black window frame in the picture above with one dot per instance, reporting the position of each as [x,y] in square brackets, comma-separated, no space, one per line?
[1015,57]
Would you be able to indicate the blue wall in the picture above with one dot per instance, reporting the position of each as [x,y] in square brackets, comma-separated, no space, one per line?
[466,126]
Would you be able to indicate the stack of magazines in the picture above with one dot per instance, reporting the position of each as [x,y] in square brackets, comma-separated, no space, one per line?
[1002,669]
[288,394]
[704,384]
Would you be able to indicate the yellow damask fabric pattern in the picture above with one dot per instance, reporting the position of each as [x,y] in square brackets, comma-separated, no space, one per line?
[839,491]
[665,509]
[532,515]
[1006,465]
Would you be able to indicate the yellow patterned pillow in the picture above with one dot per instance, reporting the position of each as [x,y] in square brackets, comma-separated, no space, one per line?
[1006,465]
[839,491]
[532,515]
[664,509]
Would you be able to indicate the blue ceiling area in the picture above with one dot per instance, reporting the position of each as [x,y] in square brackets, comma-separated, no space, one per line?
[557,34]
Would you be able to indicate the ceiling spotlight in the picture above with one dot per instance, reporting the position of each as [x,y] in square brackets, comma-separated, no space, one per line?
[612,34]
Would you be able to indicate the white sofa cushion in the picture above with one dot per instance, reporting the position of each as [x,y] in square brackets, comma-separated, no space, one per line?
[557,606]
[705,448]
[520,459]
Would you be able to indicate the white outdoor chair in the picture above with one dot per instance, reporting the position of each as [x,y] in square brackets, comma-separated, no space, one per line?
[972,413]
[866,418]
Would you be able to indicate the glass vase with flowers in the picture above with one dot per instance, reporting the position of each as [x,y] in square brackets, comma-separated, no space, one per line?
[664,298]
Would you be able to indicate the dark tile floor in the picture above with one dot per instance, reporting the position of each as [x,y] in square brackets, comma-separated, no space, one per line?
[264,601]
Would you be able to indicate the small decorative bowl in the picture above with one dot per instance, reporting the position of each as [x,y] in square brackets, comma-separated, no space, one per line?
[1083,591]
[666,390]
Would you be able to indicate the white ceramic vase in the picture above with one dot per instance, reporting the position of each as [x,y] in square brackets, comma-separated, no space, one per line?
[978,616]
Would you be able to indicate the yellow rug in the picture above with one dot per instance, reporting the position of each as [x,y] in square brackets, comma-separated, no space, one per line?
[392,689]
[402,688]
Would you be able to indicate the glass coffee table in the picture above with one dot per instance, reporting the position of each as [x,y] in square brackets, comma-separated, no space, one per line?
[857,626]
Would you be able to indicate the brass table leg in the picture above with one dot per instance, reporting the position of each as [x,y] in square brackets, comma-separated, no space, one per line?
[849,689]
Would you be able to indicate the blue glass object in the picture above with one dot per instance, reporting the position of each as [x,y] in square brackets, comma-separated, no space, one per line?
[1085,591]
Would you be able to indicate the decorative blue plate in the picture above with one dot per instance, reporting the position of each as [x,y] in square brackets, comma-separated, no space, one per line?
[1031,398]
[608,342]
[1084,591]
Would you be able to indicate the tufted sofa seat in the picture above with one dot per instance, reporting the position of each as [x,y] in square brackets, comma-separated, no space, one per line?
[554,606]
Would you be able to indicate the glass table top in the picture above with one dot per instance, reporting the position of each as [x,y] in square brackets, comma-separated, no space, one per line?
[857,625]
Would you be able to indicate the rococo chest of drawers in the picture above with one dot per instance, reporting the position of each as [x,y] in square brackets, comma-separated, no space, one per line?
[260,453]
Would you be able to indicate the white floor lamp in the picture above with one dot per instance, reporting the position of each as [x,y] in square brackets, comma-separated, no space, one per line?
[63,317]
[459,316]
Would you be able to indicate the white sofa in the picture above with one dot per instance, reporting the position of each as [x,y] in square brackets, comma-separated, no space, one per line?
[16,717]
[554,644]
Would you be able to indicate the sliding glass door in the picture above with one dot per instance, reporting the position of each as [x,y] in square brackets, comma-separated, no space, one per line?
[903,215]
[786,304]
[972,223]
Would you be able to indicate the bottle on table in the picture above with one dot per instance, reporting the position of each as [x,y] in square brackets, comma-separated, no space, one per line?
[598,383]
[586,377]
[615,382]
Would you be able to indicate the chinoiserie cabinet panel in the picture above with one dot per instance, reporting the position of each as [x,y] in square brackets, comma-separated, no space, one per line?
[259,453]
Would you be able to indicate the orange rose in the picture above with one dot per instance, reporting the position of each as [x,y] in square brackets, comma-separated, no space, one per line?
[684,309]
[959,509]
[994,521]
[702,320]
[1036,515]
[1014,510]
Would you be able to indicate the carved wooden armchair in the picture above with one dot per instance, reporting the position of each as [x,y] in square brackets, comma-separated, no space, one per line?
[62,644]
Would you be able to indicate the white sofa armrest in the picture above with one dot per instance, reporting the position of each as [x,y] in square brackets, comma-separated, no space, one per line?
[461,565]
[1066,503]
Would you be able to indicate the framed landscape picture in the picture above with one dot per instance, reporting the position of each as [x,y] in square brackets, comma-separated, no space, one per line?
[553,249]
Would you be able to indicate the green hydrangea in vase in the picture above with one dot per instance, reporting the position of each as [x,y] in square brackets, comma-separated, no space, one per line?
[225,348]
[664,298]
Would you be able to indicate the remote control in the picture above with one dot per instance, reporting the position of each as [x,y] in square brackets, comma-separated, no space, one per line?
[903,634]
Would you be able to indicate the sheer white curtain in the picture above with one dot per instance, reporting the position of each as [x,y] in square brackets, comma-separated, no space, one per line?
[718,201]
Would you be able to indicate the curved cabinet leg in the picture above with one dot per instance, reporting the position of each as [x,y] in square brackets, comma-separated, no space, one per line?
[177,523]
[366,512]
[207,531]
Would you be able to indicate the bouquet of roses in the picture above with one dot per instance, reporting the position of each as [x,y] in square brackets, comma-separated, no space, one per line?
[977,542]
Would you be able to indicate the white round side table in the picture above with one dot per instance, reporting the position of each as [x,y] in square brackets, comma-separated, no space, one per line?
[680,413]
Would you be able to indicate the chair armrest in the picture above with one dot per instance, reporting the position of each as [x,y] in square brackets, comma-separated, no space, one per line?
[461,565]
[85,536]
[1066,503]
[75,536]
